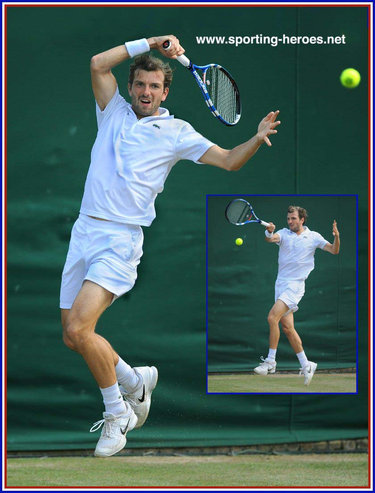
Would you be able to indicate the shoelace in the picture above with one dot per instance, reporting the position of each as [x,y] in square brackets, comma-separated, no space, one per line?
[130,398]
[107,429]
[265,363]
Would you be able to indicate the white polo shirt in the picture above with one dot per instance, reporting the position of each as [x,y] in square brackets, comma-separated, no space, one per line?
[131,159]
[296,253]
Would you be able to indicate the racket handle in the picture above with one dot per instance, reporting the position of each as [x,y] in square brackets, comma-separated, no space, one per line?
[263,223]
[184,60]
[181,58]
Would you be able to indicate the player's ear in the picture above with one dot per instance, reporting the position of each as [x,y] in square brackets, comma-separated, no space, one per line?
[129,88]
[165,93]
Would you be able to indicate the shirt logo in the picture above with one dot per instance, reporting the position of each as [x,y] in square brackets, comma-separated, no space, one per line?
[157,126]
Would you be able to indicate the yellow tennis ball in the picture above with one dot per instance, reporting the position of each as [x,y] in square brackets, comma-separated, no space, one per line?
[350,78]
[239,241]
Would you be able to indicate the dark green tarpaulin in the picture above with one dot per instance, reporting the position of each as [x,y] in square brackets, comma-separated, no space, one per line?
[321,148]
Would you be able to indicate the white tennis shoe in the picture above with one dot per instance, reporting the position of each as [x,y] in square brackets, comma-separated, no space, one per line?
[115,428]
[267,366]
[140,399]
[308,371]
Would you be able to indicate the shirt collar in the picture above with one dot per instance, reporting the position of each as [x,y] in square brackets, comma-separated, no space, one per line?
[305,230]
[163,113]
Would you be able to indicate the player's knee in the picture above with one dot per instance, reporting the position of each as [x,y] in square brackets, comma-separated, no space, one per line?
[272,318]
[286,329]
[68,341]
[75,334]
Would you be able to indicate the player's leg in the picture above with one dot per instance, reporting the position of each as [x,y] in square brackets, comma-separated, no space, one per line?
[287,324]
[307,367]
[108,369]
[79,324]
[268,365]
[104,363]
[79,332]
[278,310]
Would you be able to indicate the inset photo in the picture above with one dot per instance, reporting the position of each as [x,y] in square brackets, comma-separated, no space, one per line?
[282,294]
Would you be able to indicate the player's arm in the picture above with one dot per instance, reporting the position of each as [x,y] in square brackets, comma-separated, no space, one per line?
[271,237]
[234,159]
[104,82]
[335,247]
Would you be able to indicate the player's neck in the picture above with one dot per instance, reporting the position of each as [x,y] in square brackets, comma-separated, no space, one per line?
[139,117]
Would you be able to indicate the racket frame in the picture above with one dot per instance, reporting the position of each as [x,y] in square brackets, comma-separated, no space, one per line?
[255,220]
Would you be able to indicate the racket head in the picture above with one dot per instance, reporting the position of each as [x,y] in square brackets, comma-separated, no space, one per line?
[240,212]
[220,92]
[224,93]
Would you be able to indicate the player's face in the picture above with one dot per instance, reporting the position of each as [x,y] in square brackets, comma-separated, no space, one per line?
[295,224]
[147,92]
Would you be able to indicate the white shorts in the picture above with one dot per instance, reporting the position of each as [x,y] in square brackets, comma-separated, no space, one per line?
[290,292]
[104,252]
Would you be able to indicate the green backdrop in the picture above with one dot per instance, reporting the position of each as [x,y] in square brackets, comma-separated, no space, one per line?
[240,286]
[321,148]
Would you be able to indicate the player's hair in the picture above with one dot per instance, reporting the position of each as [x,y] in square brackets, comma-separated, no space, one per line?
[302,213]
[151,64]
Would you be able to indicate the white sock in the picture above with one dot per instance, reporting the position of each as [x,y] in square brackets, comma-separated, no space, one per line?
[271,354]
[126,376]
[113,400]
[302,359]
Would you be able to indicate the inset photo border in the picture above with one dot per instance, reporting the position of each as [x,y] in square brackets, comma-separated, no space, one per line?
[262,342]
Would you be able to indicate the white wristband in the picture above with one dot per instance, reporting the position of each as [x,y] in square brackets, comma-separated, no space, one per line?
[137,47]
[268,234]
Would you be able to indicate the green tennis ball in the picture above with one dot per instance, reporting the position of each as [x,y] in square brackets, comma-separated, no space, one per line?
[350,78]
[239,241]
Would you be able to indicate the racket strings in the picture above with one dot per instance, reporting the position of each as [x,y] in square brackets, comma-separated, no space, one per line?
[222,93]
[238,212]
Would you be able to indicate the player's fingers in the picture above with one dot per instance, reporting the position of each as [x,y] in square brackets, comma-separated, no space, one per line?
[274,115]
[169,37]
[267,141]
[178,47]
[174,49]
[269,116]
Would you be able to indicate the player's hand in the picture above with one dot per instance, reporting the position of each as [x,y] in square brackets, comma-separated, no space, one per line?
[173,51]
[335,231]
[271,228]
[267,127]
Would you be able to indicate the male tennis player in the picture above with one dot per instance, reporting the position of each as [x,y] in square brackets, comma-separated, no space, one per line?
[136,146]
[297,247]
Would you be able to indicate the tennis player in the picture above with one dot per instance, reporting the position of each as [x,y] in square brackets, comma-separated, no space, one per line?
[297,245]
[136,146]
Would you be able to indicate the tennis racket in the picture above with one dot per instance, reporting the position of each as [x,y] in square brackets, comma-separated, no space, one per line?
[240,212]
[218,87]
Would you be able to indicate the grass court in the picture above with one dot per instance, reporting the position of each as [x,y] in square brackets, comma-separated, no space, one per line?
[340,470]
[327,383]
